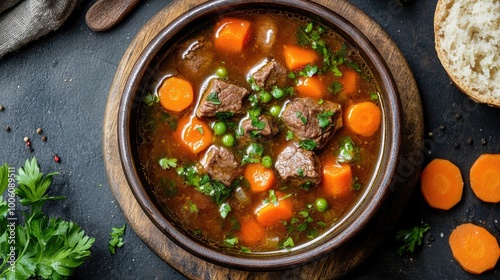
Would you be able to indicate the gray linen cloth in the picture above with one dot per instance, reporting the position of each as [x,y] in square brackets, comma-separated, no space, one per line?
[22,21]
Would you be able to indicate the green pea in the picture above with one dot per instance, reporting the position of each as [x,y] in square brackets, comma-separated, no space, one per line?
[275,110]
[278,93]
[228,140]
[321,204]
[265,97]
[267,161]
[219,128]
[221,72]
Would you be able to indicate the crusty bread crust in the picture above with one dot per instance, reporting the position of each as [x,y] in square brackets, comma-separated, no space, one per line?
[467,38]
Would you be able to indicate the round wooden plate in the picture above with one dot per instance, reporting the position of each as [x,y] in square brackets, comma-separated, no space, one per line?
[339,262]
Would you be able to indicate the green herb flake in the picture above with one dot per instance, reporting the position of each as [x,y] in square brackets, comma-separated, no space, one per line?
[272,198]
[200,129]
[224,210]
[288,243]
[301,117]
[192,207]
[289,135]
[309,70]
[307,144]
[348,151]
[253,154]
[325,119]
[214,98]
[167,163]
[374,96]
[300,171]
[411,238]
[150,99]
[231,241]
[335,87]
[116,238]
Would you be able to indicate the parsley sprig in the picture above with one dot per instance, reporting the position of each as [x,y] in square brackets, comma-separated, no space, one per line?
[116,238]
[46,247]
[411,238]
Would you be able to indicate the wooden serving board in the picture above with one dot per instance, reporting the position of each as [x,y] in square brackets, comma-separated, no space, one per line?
[343,259]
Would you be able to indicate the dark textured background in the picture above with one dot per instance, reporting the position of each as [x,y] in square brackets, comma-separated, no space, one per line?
[60,84]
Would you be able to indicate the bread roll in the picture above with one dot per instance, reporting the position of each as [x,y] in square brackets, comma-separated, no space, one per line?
[467,37]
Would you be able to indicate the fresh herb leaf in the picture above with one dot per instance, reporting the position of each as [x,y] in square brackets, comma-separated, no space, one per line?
[356,186]
[309,70]
[300,171]
[374,96]
[288,243]
[253,154]
[151,99]
[166,163]
[307,144]
[289,135]
[45,247]
[193,208]
[253,84]
[301,117]
[224,210]
[325,119]
[254,117]
[348,151]
[224,116]
[214,98]
[335,87]
[200,130]
[231,241]
[273,198]
[116,238]
[411,238]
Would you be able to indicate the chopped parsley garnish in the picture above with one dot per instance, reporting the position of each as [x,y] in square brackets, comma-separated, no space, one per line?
[224,209]
[301,117]
[166,163]
[289,135]
[116,238]
[335,87]
[214,98]
[307,144]
[348,151]
[411,238]
[217,191]
[151,99]
[356,186]
[300,171]
[288,243]
[192,207]
[325,119]
[254,116]
[231,241]
[253,153]
[200,129]
[223,116]
[374,96]
[309,70]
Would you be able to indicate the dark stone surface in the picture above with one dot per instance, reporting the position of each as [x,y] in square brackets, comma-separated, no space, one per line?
[60,84]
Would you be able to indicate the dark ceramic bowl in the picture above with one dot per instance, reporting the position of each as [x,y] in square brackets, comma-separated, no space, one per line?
[353,222]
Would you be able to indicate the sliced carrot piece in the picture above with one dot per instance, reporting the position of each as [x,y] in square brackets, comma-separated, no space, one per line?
[259,178]
[337,180]
[441,184]
[364,118]
[297,57]
[232,34]
[176,94]
[485,178]
[193,133]
[271,214]
[310,87]
[349,81]
[474,248]
[251,232]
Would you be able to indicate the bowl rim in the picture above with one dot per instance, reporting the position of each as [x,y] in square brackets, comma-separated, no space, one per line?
[392,117]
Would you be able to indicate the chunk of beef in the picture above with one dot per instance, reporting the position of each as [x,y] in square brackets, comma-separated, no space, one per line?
[269,127]
[220,164]
[298,166]
[194,56]
[309,120]
[221,96]
[270,73]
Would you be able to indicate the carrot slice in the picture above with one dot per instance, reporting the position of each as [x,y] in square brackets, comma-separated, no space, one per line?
[232,34]
[474,248]
[271,214]
[441,184]
[349,81]
[297,57]
[485,178]
[364,118]
[176,94]
[193,133]
[251,232]
[310,87]
[337,180]
[259,178]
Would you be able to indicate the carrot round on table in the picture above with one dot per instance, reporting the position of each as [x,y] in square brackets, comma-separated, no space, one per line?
[272,213]
[485,178]
[232,34]
[474,248]
[176,94]
[337,180]
[193,133]
[363,118]
[297,57]
[251,232]
[259,178]
[441,184]
[310,87]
